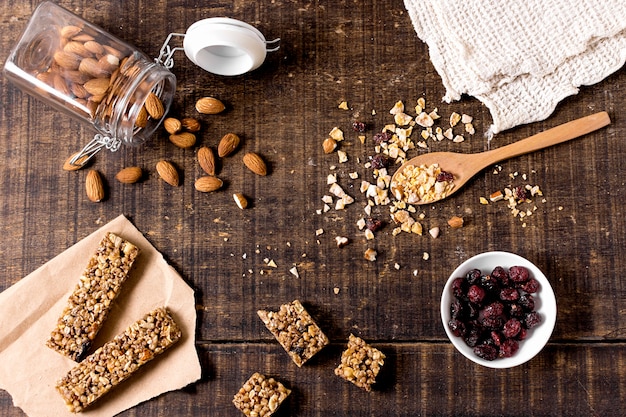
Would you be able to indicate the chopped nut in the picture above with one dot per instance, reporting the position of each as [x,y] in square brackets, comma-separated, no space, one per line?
[496,196]
[341,241]
[483,200]
[370,254]
[397,108]
[434,232]
[343,105]
[329,145]
[455,222]
[343,157]
[294,272]
[455,118]
[336,134]
[240,200]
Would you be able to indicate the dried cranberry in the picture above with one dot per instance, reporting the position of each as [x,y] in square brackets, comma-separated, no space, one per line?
[511,328]
[501,275]
[445,176]
[379,161]
[488,283]
[459,288]
[508,348]
[495,309]
[516,310]
[509,294]
[527,302]
[382,137]
[476,294]
[457,310]
[531,286]
[358,126]
[473,276]
[532,319]
[522,334]
[497,338]
[456,327]
[473,335]
[373,224]
[492,322]
[520,193]
[486,352]
[519,274]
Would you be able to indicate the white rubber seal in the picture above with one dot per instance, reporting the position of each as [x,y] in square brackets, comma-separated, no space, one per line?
[225,46]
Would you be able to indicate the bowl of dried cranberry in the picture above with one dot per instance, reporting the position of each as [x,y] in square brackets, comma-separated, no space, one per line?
[498,309]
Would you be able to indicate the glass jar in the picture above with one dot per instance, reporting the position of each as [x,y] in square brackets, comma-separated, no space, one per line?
[89,74]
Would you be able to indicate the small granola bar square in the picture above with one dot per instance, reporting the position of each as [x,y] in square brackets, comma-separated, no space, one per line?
[260,396]
[295,330]
[360,363]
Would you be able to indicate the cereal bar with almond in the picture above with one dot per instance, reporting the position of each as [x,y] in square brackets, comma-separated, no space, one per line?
[360,363]
[295,330]
[89,304]
[260,396]
[118,359]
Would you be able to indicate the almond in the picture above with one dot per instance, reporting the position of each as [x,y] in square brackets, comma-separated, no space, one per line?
[255,163]
[227,145]
[142,117]
[94,186]
[209,105]
[94,47]
[208,184]
[172,125]
[154,106]
[67,60]
[129,175]
[190,124]
[183,140]
[206,159]
[97,86]
[240,200]
[70,31]
[329,145]
[68,166]
[91,67]
[168,173]
[109,63]
[77,48]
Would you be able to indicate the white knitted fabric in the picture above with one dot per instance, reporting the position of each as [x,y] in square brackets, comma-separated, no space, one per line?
[521,57]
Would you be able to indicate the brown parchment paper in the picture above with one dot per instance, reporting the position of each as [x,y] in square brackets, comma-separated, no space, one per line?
[29,311]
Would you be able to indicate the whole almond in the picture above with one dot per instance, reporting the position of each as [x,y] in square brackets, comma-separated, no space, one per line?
[255,163]
[94,186]
[154,106]
[183,140]
[129,175]
[91,67]
[168,173]
[77,48]
[97,86]
[172,125]
[70,31]
[208,184]
[94,47]
[142,117]
[206,159]
[67,60]
[227,145]
[68,166]
[209,105]
[190,124]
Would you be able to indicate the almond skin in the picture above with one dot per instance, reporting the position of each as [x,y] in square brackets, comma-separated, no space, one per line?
[168,173]
[227,145]
[255,163]
[154,106]
[206,159]
[208,184]
[129,175]
[94,186]
[209,105]
[183,140]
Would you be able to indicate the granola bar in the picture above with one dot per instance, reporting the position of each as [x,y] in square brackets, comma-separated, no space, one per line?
[118,359]
[360,363]
[295,330]
[260,396]
[89,305]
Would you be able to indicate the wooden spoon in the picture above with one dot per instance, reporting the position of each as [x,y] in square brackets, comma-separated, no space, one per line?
[465,166]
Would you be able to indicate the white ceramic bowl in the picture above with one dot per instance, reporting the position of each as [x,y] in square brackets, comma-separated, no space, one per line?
[545,305]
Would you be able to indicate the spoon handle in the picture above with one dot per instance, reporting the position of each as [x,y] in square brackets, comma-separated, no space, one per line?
[556,135]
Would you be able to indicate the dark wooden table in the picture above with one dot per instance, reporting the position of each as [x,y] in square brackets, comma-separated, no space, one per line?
[367,54]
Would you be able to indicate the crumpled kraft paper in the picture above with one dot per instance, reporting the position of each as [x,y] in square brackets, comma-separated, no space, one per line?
[29,311]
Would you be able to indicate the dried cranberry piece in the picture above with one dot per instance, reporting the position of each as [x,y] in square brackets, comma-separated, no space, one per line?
[531,286]
[358,126]
[532,319]
[445,176]
[459,287]
[501,275]
[473,276]
[476,294]
[456,327]
[511,328]
[379,161]
[527,302]
[508,348]
[520,193]
[519,274]
[373,224]
[487,352]
[509,294]
[382,137]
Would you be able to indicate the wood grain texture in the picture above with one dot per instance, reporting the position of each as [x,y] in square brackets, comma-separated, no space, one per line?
[366,53]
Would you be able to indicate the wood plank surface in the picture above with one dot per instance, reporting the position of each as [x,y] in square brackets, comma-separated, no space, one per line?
[366,53]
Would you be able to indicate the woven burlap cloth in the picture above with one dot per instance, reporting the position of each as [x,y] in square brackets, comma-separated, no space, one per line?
[521,57]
